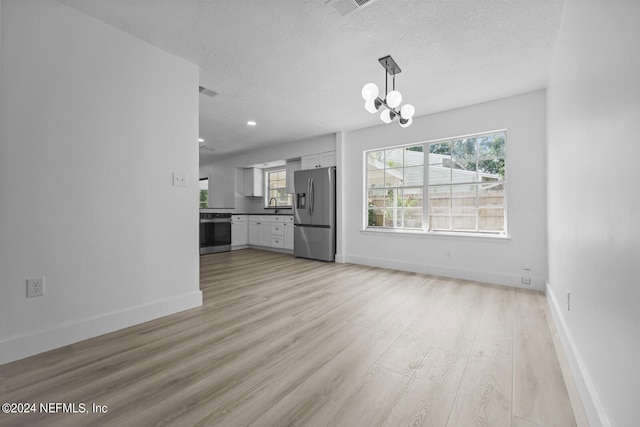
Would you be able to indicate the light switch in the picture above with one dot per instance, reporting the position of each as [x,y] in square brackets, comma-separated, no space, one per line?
[179,179]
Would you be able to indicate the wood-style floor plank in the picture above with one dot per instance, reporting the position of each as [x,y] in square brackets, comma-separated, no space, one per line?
[486,390]
[540,394]
[372,399]
[429,396]
[282,341]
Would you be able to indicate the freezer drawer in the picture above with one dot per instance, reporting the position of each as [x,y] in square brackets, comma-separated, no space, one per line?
[314,242]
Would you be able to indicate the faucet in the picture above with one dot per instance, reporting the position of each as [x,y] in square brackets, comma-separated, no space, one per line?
[275,202]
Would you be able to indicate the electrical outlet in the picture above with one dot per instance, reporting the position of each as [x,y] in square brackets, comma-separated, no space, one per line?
[35,287]
[568,300]
[526,280]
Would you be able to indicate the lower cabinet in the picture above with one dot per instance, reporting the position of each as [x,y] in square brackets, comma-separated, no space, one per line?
[254,231]
[239,230]
[265,233]
[272,231]
[277,235]
[288,233]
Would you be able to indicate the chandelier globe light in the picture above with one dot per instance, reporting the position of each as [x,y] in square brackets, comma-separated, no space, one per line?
[392,100]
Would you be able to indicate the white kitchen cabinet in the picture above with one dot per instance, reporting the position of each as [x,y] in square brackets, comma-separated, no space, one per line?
[271,231]
[265,233]
[239,230]
[288,233]
[254,231]
[291,167]
[320,160]
[277,242]
[252,184]
[260,230]
[277,233]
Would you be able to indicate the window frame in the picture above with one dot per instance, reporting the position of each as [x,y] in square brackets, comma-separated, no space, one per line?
[425,230]
[267,196]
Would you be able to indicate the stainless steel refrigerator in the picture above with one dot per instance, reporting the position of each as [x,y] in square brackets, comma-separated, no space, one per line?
[314,235]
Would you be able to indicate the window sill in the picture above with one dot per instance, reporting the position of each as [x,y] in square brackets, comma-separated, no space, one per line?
[446,234]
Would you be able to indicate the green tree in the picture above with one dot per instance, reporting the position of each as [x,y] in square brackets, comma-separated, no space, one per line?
[204,198]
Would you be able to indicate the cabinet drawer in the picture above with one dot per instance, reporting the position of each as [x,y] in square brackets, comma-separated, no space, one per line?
[288,219]
[239,218]
[265,218]
[277,229]
[277,242]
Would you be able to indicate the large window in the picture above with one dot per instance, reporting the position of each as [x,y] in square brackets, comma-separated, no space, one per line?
[462,189]
[277,188]
[395,180]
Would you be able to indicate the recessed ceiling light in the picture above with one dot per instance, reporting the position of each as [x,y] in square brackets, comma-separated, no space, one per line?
[200,140]
[251,123]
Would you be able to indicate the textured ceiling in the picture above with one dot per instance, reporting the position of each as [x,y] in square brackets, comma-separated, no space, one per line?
[296,67]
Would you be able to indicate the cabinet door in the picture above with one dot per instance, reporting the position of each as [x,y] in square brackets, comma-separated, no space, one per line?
[277,242]
[239,234]
[288,235]
[265,234]
[254,233]
[277,229]
[309,162]
[327,159]
[252,185]
[320,160]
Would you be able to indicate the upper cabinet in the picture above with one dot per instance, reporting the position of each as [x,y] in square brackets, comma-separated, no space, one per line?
[320,160]
[252,184]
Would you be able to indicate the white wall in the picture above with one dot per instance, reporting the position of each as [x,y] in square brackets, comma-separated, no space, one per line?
[594,201]
[491,260]
[94,122]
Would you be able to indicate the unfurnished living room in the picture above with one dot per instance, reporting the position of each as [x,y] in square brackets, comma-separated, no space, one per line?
[319,213]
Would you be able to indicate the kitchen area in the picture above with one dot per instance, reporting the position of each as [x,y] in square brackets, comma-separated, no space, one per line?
[285,206]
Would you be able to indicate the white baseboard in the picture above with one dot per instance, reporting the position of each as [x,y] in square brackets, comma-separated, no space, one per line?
[537,283]
[593,408]
[19,347]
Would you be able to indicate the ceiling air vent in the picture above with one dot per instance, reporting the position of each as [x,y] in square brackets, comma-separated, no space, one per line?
[204,91]
[344,7]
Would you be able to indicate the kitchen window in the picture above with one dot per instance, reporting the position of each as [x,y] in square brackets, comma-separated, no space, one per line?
[276,180]
[204,192]
[461,189]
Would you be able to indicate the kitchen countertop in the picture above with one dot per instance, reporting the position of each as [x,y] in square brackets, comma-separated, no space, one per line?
[210,210]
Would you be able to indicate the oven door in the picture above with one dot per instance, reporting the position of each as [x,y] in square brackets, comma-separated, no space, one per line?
[215,235]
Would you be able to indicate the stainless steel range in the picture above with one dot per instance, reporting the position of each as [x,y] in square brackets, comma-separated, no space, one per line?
[215,232]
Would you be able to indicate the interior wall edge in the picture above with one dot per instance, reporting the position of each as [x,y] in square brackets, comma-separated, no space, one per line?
[591,402]
[22,346]
[537,283]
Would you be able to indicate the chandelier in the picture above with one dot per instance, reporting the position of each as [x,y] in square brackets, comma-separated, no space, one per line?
[392,100]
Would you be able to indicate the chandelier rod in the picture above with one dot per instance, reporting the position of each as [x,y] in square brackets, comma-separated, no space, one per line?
[386,80]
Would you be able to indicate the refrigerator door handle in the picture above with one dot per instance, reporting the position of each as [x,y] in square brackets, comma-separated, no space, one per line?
[309,196]
[312,197]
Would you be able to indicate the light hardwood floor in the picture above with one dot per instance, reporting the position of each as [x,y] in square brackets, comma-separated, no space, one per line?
[282,341]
